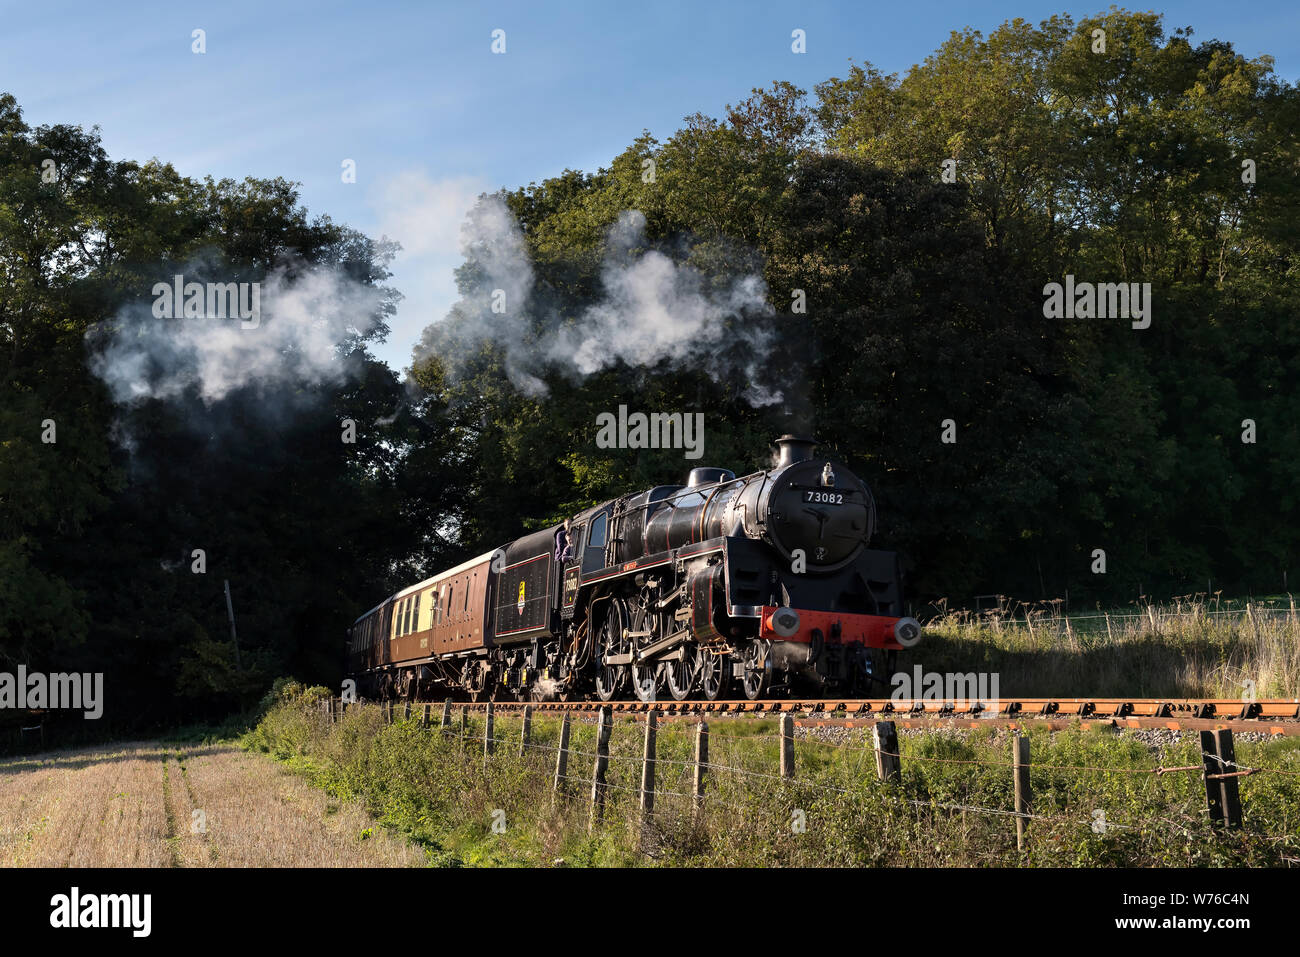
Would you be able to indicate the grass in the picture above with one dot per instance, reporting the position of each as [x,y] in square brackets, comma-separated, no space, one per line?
[949,808]
[1193,648]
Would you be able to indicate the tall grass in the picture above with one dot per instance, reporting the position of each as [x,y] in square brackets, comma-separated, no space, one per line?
[1189,649]
[950,807]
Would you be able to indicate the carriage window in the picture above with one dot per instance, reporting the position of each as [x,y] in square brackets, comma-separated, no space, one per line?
[415,620]
[466,608]
[596,538]
[406,617]
[451,592]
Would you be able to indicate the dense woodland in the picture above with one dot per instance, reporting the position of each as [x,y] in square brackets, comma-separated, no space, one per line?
[924,302]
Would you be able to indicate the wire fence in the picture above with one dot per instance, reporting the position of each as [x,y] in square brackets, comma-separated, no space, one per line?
[1055,613]
[678,773]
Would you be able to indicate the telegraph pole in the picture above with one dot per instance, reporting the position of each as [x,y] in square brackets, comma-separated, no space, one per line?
[230,611]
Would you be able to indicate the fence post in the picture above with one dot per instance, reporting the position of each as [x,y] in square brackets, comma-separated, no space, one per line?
[1222,794]
[427,717]
[884,738]
[487,732]
[526,732]
[787,745]
[446,716]
[1024,795]
[561,759]
[464,727]
[388,712]
[1231,792]
[701,759]
[648,765]
[406,712]
[603,723]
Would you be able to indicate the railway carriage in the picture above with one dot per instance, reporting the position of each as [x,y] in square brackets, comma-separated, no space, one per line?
[763,584]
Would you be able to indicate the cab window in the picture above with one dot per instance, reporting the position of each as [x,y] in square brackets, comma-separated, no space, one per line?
[596,537]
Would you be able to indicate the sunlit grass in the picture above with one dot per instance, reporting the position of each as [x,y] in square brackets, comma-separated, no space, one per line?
[949,808]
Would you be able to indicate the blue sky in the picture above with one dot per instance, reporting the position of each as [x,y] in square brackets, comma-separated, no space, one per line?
[413,93]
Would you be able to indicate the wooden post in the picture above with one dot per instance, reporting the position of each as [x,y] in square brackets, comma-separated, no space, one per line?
[562,759]
[1024,795]
[1222,794]
[884,738]
[1231,791]
[701,759]
[388,712]
[787,745]
[426,719]
[464,727]
[487,732]
[648,765]
[526,732]
[1213,766]
[603,727]
[446,716]
[406,712]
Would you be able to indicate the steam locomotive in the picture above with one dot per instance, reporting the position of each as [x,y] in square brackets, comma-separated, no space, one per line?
[762,584]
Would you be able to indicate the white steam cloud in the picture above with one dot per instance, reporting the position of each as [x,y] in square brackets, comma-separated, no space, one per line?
[654,309]
[296,340]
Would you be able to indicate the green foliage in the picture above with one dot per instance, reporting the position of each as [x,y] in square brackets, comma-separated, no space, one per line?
[950,808]
[97,528]
[924,303]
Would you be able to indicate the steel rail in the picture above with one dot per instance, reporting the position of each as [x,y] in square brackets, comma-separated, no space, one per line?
[1269,715]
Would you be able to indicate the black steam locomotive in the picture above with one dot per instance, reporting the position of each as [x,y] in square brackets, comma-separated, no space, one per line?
[763,582]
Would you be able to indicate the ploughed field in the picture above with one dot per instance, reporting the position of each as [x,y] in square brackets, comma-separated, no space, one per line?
[154,805]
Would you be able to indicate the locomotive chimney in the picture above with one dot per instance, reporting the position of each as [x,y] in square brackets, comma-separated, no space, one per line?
[794,448]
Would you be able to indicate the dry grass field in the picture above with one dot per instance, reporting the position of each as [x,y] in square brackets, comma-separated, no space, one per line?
[135,805]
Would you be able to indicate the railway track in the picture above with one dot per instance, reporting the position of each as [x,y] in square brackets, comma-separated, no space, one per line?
[1278,716]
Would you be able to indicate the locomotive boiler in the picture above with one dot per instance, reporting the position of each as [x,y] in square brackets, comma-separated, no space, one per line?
[763,584]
